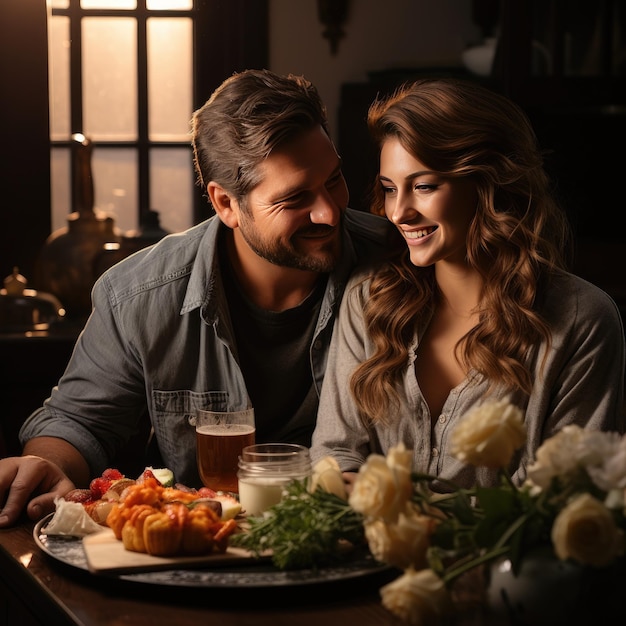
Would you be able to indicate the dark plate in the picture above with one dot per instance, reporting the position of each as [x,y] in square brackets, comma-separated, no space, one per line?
[69,550]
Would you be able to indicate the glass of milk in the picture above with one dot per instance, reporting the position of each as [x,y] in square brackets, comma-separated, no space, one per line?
[264,471]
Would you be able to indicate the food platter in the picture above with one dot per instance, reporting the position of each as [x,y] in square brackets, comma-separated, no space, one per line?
[223,574]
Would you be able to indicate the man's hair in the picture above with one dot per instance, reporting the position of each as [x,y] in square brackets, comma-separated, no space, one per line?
[248,115]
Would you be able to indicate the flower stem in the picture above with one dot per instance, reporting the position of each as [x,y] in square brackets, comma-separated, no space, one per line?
[453,574]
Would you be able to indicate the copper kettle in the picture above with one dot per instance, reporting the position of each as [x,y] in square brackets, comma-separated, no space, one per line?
[65,266]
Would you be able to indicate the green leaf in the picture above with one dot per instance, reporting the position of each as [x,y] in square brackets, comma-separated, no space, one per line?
[502,508]
[304,529]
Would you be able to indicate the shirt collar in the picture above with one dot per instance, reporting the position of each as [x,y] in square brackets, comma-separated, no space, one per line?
[205,268]
[205,273]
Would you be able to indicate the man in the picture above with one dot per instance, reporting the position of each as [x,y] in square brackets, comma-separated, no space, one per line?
[235,312]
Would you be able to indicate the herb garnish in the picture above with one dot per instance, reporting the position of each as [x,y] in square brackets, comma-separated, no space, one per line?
[304,529]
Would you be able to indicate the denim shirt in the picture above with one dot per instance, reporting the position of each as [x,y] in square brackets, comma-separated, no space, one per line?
[159,339]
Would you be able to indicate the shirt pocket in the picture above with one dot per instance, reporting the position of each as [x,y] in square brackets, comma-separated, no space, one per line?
[184,403]
[173,420]
[173,417]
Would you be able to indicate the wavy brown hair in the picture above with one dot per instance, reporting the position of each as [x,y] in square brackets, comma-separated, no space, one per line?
[517,238]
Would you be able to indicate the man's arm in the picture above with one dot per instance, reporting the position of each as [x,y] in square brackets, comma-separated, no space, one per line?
[48,469]
[62,454]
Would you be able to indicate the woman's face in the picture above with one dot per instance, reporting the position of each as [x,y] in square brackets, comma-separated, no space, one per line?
[433,213]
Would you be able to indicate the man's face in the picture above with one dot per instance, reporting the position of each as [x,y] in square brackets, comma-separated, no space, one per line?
[293,217]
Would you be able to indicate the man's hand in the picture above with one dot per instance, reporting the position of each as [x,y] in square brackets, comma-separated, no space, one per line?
[32,483]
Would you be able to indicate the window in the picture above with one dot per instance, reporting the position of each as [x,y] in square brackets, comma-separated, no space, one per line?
[227,36]
[122,74]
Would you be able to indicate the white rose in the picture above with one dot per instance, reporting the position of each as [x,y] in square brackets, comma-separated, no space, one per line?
[606,459]
[489,434]
[585,531]
[401,544]
[400,460]
[381,490]
[419,598]
[595,446]
[327,475]
[555,456]
[615,500]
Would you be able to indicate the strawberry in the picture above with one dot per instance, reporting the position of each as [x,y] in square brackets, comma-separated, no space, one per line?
[147,473]
[112,474]
[99,486]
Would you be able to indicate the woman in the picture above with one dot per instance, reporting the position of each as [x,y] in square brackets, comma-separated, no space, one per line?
[476,304]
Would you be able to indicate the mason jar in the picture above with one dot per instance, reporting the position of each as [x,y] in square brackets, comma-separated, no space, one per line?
[264,471]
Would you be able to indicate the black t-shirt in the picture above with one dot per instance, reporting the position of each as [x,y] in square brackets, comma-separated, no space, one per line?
[274,355]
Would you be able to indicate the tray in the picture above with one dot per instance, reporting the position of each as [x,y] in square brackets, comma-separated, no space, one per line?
[236,573]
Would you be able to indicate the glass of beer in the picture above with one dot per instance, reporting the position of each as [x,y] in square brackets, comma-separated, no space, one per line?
[220,438]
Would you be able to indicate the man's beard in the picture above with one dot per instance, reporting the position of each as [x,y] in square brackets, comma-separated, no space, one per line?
[323,261]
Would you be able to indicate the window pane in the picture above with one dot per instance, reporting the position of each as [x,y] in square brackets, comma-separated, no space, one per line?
[110,78]
[155,5]
[108,4]
[58,4]
[169,78]
[115,175]
[171,187]
[59,83]
[60,173]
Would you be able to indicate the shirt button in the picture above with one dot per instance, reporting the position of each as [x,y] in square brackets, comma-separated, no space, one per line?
[317,345]
[435,452]
[442,418]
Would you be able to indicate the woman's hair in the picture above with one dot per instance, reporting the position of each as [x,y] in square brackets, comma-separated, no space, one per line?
[517,237]
[249,115]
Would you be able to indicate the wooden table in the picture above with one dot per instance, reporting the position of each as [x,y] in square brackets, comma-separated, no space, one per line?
[36,589]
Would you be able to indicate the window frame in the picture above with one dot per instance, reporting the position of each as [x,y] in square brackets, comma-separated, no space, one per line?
[229,36]
[232,52]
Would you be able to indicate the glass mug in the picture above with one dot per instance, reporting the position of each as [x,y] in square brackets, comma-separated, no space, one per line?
[220,438]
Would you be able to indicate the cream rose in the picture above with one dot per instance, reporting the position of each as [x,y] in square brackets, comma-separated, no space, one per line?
[327,476]
[616,500]
[606,464]
[601,454]
[585,531]
[401,544]
[399,460]
[556,457]
[383,486]
[419,598]
[489,434]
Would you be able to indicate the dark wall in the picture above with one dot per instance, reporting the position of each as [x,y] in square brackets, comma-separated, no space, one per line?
[583,155]
[586,160]
[25,170]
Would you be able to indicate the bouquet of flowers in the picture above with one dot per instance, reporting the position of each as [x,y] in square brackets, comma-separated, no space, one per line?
[572,501]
